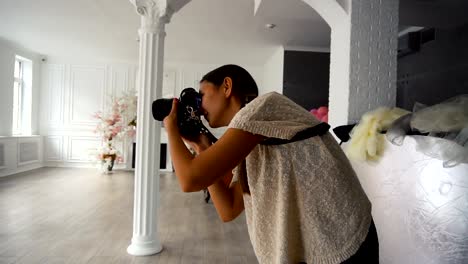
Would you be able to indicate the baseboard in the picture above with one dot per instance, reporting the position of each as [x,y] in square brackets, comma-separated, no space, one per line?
[61,164]
[28,167]
[23,168]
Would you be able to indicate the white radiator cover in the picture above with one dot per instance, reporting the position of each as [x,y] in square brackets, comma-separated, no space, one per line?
[28,152]
[2,156]
[19,154]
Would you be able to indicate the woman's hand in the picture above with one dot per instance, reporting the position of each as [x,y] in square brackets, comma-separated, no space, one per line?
[170,121]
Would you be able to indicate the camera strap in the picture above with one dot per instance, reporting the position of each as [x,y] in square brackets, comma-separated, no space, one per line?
[317,130]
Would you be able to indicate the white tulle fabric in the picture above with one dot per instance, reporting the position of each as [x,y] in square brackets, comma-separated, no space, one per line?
[420,208]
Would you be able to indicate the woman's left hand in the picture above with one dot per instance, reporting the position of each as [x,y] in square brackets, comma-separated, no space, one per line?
[170,121]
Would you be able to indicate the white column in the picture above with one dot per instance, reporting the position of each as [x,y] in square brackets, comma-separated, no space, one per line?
[145,239]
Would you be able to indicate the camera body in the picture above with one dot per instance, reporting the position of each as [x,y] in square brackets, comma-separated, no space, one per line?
[188,114]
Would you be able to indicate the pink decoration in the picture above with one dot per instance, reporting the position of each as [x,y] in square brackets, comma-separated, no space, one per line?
[321,113]
[323,110]
[325,118]
[131,133]
[114,124]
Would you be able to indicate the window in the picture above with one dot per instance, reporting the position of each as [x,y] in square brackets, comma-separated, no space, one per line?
[17,95]
[21,96]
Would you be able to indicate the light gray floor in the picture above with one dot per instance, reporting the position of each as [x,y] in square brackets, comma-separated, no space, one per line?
[63,215]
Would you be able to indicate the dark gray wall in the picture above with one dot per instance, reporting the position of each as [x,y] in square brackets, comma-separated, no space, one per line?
[433,13]
[306,78]
[437,72]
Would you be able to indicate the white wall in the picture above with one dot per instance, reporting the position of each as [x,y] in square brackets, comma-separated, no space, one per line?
[188,74]
[72,92]
[273,72]
[65,94]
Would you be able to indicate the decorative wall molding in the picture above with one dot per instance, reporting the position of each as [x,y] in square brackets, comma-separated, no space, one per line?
[170,83]
[119,76]
[68,94]
[79,149]
[63,131]
[28,151]
[97,88]
[56,90]
[53,148]
[20,154]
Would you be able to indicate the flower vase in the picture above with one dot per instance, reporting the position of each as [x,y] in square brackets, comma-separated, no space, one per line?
[110,166]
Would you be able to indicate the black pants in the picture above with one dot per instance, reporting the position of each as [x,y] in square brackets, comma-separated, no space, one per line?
[368,252]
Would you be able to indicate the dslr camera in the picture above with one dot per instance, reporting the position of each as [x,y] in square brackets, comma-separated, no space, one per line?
[188,114]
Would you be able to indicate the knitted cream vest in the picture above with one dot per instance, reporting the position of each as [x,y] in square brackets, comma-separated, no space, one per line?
[306,202]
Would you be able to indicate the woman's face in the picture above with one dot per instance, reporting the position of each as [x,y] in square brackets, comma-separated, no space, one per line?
[213,103]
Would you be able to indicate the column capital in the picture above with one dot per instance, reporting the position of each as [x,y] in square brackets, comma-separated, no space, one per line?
[154,14]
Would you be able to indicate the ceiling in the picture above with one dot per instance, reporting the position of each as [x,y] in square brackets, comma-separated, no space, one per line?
[204,30]
[208,31]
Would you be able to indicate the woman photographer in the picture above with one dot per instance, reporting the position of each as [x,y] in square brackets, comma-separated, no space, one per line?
[303,201]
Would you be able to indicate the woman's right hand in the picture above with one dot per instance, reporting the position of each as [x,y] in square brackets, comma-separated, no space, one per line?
[170,121]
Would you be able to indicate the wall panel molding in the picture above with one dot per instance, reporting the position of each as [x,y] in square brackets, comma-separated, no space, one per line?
[56,92]
[87,91]
[170,83]
[73,92]
[53,148]
[28,152]
[119,78]
[80,149]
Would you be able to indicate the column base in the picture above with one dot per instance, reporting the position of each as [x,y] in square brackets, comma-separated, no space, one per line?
[144,248]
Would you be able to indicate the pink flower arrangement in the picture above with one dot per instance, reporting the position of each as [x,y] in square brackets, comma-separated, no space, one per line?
[321,113]
[114,125]
[109,126]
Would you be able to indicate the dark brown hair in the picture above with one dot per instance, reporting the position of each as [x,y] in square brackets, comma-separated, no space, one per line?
[243,84]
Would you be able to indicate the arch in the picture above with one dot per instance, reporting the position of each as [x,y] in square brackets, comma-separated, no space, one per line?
[331,11]
[336,14]
[340,25]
